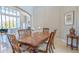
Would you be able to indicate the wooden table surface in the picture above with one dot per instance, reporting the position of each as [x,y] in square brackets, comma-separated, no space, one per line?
[35,39]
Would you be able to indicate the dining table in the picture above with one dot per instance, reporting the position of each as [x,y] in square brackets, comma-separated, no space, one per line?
[34,40]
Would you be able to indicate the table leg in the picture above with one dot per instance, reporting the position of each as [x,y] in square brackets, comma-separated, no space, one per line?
[72,43]
[77,43]
[34,50]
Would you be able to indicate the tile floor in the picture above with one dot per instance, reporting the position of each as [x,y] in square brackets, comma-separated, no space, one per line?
[60,47]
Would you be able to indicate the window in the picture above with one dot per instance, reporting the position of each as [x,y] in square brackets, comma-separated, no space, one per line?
[7,21]
[0,21]
[28,20]
[9,18]
[3,21]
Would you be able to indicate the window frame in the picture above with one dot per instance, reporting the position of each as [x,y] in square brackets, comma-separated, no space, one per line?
[9,15]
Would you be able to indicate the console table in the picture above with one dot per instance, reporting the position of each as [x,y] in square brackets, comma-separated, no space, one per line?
[73,37]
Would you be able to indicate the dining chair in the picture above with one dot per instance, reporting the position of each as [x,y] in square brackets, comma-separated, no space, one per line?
[45,30]
[15,45]
[21,33]
[28,32]
[49,44]
[53,38]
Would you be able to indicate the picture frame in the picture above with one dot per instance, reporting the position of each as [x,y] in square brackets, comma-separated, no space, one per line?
[69,18]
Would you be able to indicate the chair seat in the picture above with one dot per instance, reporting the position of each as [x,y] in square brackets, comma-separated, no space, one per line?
[42,47]
[23,48]
[46,42]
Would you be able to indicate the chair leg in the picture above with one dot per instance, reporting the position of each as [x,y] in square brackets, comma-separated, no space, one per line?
[52,49]
[77,43]
[49,49]
[53,46]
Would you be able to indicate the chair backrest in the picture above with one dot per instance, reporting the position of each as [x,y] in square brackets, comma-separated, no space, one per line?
[21,32]
[54,34]
[28,32]
[51,40]
[14,43]
[45,30]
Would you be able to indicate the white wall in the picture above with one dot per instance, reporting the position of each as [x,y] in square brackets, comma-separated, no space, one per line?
[47,17]
[77,21]
[65,28]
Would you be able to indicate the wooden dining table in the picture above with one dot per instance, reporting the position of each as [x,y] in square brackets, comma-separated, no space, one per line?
[34,40]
